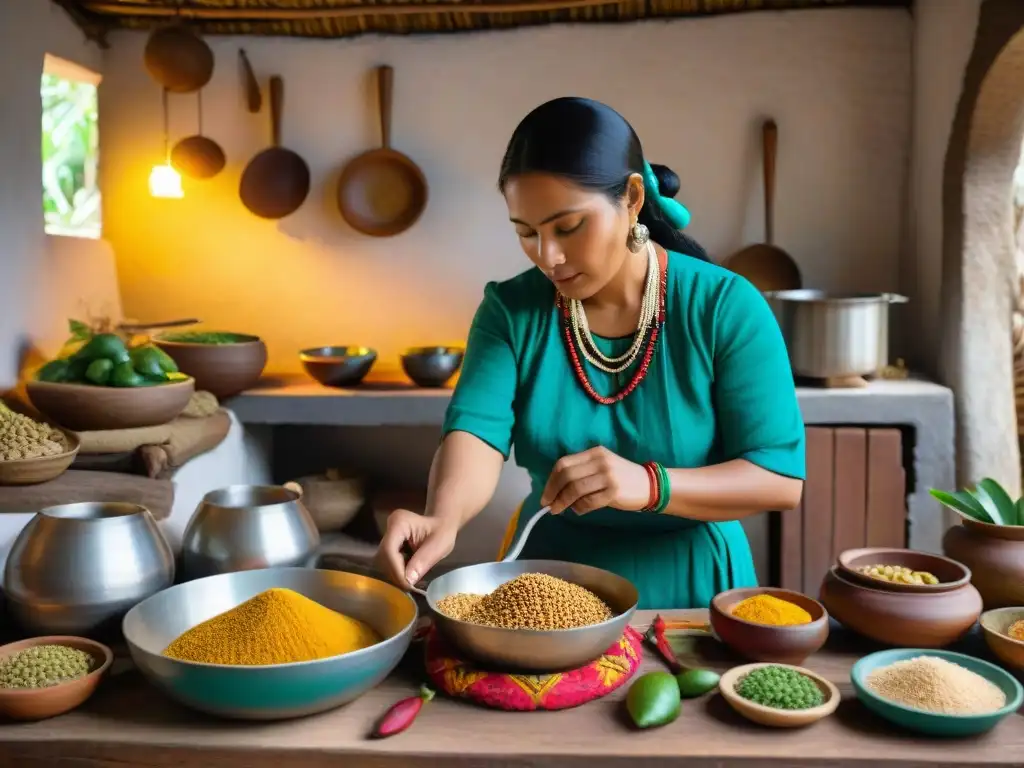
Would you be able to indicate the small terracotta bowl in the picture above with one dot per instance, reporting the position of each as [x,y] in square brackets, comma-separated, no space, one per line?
[778,718]
[765,642]
[994,625]
[951,574]
[40,703]
[902,619]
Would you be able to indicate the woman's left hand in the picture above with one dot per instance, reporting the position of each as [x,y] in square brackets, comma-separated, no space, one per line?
[594,479]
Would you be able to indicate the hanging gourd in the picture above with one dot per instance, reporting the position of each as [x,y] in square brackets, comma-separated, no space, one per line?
[178,59]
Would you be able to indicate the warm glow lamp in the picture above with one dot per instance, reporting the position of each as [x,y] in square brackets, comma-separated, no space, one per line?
[164,181]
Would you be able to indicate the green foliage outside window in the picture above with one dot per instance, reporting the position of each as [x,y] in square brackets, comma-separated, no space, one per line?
[71,196]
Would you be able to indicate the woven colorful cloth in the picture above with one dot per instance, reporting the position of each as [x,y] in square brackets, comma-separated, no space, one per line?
[514,692]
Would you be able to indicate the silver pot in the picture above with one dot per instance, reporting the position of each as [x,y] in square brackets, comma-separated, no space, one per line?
[245,527]
[76,569]
[834,335]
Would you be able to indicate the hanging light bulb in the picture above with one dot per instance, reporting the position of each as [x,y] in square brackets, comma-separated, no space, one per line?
[164,181]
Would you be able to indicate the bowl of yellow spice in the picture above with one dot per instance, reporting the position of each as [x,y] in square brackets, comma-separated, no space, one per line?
[273,643]
[769,624]
[1004,632]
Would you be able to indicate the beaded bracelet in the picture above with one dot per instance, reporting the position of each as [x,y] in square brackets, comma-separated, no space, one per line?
[664,489]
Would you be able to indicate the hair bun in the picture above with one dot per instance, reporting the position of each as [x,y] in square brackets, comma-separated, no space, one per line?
[668,181]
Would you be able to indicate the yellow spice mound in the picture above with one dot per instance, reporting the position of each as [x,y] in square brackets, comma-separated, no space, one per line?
[278,626]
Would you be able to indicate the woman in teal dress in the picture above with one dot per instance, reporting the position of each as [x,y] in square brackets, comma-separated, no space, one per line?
[647,391]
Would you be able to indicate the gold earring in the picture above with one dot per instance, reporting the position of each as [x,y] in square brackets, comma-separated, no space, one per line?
[638,236]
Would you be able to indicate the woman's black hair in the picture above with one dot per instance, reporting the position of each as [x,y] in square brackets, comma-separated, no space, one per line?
[592,145]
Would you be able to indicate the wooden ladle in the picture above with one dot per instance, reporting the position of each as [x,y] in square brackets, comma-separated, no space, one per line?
[766,265]
[198,156]
[275,184]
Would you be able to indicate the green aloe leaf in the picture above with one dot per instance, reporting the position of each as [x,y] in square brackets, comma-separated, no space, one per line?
[1020,511]
[996,492]
[963,504]
[990,505]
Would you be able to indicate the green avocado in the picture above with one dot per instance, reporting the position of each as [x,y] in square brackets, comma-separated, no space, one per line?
[124,375]
[697,682]
[54,371]
[654,700]
[147,361]
[107,346]
[99,372]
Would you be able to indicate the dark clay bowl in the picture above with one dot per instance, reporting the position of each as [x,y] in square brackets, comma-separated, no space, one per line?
[764,642]
[432,366]
[902,619]
[341,366]
[951,574]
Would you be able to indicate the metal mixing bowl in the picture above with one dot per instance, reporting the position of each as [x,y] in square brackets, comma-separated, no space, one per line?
[243,527]
[534,650]
[338,366]
[75,569]
[277,691]
[432,366]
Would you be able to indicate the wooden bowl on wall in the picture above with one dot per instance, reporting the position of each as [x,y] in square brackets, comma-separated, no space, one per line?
[903,619]
[40,703]
[41,469]
[765,642]
[994,625]
[83,407]
[951,574]
[224,370]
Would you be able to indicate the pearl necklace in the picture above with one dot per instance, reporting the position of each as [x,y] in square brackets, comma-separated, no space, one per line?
[649,307]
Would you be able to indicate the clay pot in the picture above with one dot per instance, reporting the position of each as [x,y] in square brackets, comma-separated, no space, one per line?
[995,555]
[765,642]
[902,619]
[951,574]
[224,370]
[332,499]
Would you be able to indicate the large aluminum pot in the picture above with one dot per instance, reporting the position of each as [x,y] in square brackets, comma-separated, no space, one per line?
[76,569]
[834,335]
[245,527]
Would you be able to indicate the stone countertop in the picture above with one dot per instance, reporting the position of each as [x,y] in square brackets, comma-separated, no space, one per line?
[128,723]
[300,400]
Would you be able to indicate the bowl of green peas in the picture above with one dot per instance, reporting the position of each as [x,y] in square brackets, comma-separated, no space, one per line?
[48,676]
[779,695]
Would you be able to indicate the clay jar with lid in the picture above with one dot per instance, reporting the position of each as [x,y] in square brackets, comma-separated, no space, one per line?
[995,555]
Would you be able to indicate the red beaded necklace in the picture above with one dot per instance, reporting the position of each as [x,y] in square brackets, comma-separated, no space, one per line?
[652,340]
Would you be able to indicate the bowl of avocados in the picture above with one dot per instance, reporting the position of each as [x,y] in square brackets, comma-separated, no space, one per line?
[221,362]
[107,385]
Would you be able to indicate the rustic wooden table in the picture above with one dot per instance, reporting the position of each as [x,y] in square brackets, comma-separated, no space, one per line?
[129,724]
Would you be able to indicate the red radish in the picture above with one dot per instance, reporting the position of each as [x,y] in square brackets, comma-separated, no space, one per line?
[402,714]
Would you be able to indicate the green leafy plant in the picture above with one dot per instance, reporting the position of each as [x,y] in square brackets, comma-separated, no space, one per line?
[987,502]
[70,151]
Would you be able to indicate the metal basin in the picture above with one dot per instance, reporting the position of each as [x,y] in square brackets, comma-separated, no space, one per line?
[534,650]
[76,569]
[277,691]
[243,527]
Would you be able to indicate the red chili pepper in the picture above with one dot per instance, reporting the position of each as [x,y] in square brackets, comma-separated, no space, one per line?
[402,714]
[656,637]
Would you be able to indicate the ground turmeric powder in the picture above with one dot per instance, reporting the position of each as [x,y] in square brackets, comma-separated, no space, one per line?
[768,609]
[278,626]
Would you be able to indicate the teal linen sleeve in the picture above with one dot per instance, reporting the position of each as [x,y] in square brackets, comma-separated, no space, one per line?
[755,397]
[482,403]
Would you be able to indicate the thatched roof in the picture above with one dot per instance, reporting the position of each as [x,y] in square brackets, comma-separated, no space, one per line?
[348,18]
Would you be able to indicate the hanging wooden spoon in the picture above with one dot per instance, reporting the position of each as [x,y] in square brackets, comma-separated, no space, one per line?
[766,265]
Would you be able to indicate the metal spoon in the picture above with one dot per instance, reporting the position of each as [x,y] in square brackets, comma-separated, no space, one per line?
[513,551]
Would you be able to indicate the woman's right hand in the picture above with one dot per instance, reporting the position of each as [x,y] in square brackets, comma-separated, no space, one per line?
[431,539]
